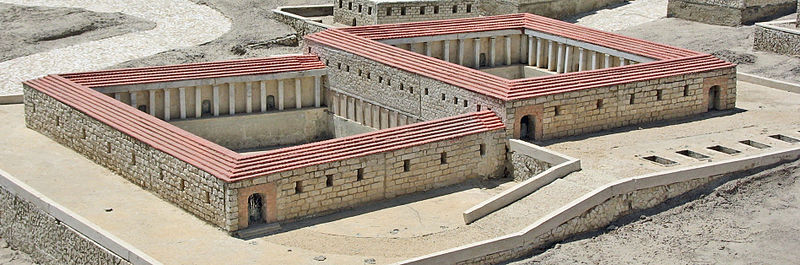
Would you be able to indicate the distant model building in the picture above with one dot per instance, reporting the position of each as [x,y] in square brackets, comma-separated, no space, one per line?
[372,12]
[729,12]
[369,113]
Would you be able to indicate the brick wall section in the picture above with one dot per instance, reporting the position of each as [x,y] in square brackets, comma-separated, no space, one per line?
[49,241]
[579,113]
[176,181]
[383,176]
[403,91]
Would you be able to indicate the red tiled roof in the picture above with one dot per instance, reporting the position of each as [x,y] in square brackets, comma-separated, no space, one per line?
[362,41]
[231,166]
[258,66]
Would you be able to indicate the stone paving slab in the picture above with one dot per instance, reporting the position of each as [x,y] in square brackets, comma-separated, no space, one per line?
[180,23]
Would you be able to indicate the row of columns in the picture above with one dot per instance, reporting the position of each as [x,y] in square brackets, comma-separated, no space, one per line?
[368,114]
[215,98]
[558,56]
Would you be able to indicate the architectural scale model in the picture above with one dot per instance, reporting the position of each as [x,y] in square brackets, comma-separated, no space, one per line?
[368,113]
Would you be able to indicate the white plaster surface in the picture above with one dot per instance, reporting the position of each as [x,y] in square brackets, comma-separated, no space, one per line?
[624,16]
[180,23]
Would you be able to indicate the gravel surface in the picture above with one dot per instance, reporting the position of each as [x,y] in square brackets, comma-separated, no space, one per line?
[28,30]
[251,23]
[180,23]
[9,256]
[751,220]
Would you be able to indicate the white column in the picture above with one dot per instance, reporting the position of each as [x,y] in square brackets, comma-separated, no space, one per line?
[216,100]
[231,99]
[539,52]
[133,99]
[608,61]
[182,103]
[152,102]
[428,48]
[298,97]
[567,58]
[477,53]
[460,51]
[524,51]
[166,104]
[280,94]
[594,60]
[446,51]
[530,52]
[248,86]
[492,43]
[317,91]
[198,104]
[551,56]
[560,63]
[580,59]
[621,61]
[508,50]
[263,96]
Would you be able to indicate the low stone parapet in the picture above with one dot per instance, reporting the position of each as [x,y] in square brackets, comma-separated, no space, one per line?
[782,37]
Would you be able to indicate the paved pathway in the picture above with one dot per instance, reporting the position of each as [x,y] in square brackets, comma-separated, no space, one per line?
[624,16]
[180,23]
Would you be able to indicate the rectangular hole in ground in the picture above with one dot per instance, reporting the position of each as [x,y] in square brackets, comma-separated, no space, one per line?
[755,144]
[693,154]
[660,160]
[725,150]
[785,138]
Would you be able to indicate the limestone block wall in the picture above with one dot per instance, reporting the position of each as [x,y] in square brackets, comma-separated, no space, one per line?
[596,109]
[297,20]
[355,12]
[271,129]
[729,12]
[325,188]
[411,11]
[780,38]
[27,228]
[178,182]
[409,94]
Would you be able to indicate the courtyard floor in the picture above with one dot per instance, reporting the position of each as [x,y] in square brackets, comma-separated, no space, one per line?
[391,231]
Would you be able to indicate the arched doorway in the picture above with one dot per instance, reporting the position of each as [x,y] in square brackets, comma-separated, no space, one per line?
[270,102]
[714,98]
[527,128]
[255,209]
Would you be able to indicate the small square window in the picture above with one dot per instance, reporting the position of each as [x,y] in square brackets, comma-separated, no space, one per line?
[402,11]
[360,174]
[406,165]
[632,99]
[557,110]
[599,104]
[455,9]
[444,97]
[422,10]
[298,187]
[443,158]
[469,8]
[329,181]
[436,9]
[686,90]
[659,94]
[483,149]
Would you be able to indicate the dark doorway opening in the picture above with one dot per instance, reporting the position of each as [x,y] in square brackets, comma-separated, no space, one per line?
[255,209]
[714,98]
[527,128]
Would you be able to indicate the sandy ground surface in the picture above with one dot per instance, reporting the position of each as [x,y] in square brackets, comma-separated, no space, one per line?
[9,256]
[752,220]
[177,25]
[28,30]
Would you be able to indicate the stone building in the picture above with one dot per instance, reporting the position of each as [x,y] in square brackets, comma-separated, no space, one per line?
[729,12]
[368,113]
[545,78]
[372,12]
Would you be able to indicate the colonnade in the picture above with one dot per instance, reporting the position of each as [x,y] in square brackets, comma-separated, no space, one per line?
[366,113]
[265,101]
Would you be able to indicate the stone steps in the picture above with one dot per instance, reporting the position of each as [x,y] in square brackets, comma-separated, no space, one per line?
[258,230]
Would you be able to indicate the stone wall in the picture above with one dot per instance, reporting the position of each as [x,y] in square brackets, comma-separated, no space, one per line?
[46,239]
[325,188]
[260,130]
[176,181]
[300,24]
[597,217]
[596,109]
[524,167]
[729,12]
[780,38]
[412,95]
[355,12]
[368,12]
